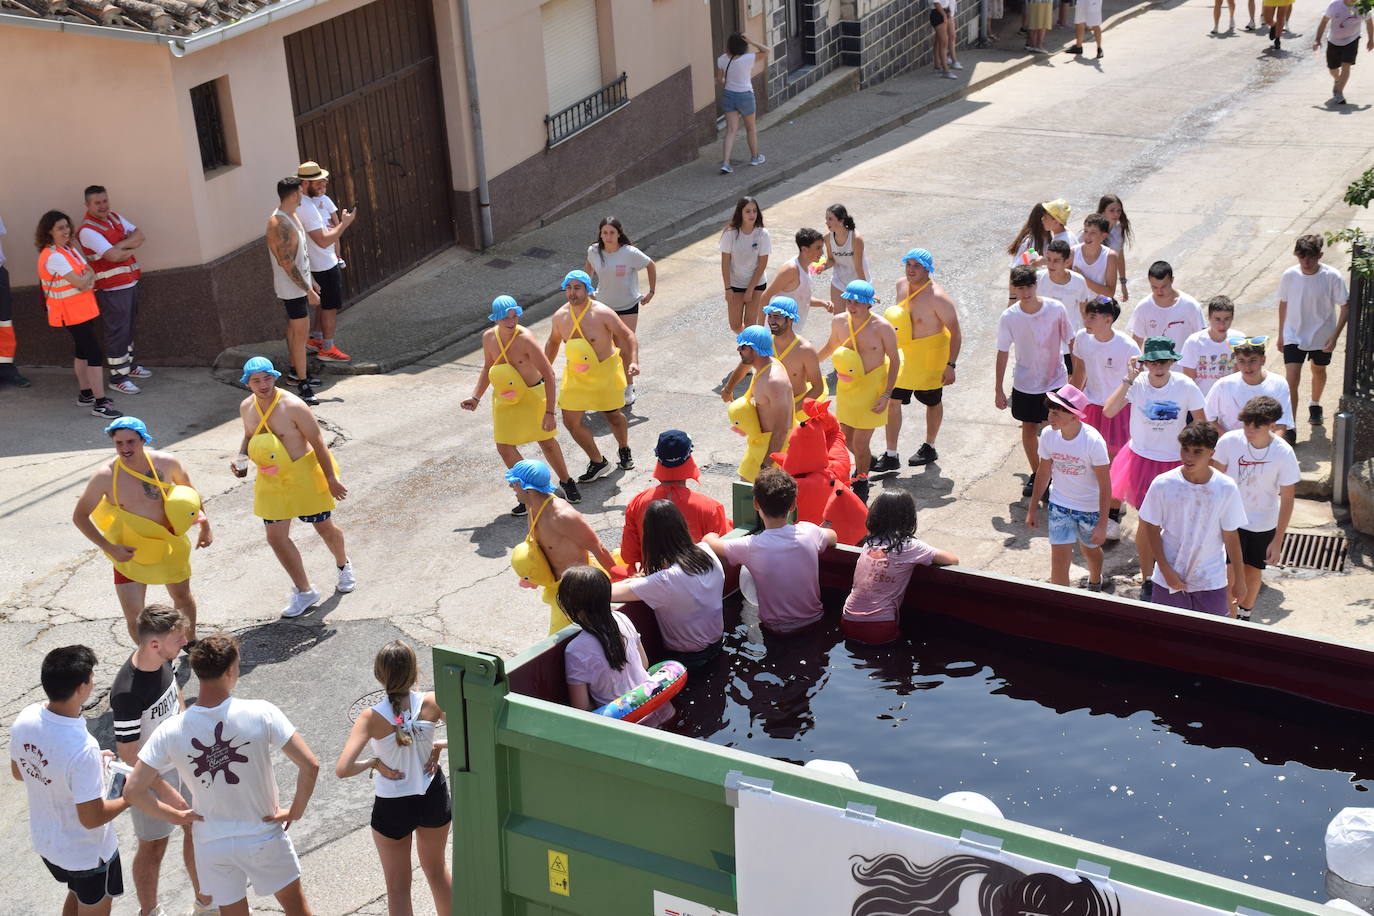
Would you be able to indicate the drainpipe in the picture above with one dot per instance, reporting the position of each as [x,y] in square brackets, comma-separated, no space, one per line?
[478,149]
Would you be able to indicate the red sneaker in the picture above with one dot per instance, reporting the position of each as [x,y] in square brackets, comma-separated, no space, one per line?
[333,355]
[314,344]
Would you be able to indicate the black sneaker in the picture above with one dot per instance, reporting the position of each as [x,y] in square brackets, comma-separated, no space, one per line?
[1272,35]
[1147,591]
[1076,49]
[885,464]
[520,511]
[627,461]
[307,394]
[294,379]
[1290,436]
[85,400]
[595,470]
[1099,54]
[860,488]
[1278,45]
[104,407]
[570,491]
[1314,414]
[926,454]
[1242,613]
[1029,488]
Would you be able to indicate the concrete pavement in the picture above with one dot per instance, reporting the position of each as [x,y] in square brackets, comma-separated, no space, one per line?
[1223,153]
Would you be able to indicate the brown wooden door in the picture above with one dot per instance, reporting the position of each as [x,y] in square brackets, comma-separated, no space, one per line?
[365,90]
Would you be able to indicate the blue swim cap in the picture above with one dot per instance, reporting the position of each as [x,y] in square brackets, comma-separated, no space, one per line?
[258,364]
[922,257]
[581,277]
[860,291]
[503,304]
[758,337]
[782,305]
[531,475]
[133,423]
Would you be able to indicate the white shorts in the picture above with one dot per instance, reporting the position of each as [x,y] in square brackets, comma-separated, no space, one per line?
[226,867]
[1088,12]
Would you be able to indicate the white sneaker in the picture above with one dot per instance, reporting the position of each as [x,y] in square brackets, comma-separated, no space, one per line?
[760,159]
[347,581]
[1113,530]
[726,168]
[124,386]
[157,911]
[629,394]
[956,65]
[141,372]
[949,75]
[301,602]
[203,909]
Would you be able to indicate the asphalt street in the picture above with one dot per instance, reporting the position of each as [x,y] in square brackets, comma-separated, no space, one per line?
[1223,152]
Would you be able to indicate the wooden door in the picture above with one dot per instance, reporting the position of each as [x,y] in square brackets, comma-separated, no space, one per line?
[365,90]
[725,21]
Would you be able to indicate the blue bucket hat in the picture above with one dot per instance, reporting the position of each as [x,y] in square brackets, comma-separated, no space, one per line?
[860,291]
[133,423]
[674,448]
[531,475]
[258,364]
[581,277]
[503,304]
[758,337]
[782,305]
[922,257]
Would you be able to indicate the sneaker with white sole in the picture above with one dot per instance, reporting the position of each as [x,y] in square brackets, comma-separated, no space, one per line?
[1113,530]
[124,386]
[203,909]
[104,407]
[760,159]
[630,394]
[301,602]
[347,581]
[141,372]
[726,168]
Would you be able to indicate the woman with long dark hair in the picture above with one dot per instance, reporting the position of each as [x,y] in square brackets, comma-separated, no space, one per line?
[683,583]
[605,660]
[1118,237]
[411,795]
[899,887]
[744,250]
[615,265]
[844,252]
[735,75]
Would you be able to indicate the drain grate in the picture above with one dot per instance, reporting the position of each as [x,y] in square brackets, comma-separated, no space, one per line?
[1315,551]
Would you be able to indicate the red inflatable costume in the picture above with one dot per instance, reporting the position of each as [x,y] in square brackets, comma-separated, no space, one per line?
[818,459]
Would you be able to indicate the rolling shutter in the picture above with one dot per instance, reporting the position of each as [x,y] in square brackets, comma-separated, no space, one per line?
[572,54]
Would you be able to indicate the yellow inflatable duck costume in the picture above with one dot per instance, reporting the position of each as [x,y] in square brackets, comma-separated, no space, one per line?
[284,488]
[517,409]
[527,559]
[923,358]
[162,554]
[589,383]
[744,414]
[856,391]
[787,307]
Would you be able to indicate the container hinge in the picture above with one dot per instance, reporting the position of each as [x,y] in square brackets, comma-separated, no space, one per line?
[1093,870]
[860,812]
[981,841]
[1246,911]
[735,782]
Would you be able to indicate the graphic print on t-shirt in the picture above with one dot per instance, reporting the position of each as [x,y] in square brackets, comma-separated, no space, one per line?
[1166,411]
[34,763]
[216,757]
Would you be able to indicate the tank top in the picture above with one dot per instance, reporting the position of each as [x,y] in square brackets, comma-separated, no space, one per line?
[410,759]
[1096,272]
[844,271]
[801,293]
[285,287]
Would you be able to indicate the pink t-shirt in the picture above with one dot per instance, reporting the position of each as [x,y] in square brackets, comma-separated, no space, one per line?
[584,662]
[880,580]
[785,564]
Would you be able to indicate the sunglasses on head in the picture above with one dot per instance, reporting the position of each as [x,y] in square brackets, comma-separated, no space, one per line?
[1102,300]
[1250,342]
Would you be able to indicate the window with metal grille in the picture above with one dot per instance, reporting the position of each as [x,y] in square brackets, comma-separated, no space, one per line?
[214,147]
[561,125]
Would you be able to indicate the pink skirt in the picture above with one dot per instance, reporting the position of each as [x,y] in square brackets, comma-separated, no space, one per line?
[1116,430]
[1132,475]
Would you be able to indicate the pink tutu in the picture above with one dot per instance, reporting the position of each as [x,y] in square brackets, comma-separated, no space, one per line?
[1116,430]
[1132,475]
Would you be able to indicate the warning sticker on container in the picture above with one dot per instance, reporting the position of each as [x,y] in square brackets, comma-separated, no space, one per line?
[668,905]
[558,873]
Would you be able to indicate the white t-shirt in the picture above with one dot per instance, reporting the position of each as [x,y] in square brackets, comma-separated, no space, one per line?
[1073,482]
[1072,294]
[1231,393]
[223,754]
[1313,302]
[62,767]
[584,662]
[745,251]
[738,71]
[59,266]
[1259,473]
[1191,518]
[785,564]
[1346,23]
[1175,322]
[1037,339]
[688,607]
[1104,362]
[1209,359]
[97,243]
[1158,415]
[315,213]
[617,274]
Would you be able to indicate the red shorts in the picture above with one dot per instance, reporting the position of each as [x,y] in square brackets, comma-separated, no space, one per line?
[872,632]
[121,579]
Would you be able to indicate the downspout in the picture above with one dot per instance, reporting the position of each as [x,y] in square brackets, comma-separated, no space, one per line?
[474,107]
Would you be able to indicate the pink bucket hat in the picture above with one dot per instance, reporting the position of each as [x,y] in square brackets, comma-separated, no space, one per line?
[1071,399]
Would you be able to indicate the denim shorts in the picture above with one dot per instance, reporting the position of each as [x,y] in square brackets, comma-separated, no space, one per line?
[1069,525]
[743,102]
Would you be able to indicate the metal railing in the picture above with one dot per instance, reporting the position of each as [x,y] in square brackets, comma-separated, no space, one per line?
[1359,343]
[585,112]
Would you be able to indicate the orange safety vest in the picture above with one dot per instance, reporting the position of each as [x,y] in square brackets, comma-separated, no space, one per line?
[109,274]
[67,305]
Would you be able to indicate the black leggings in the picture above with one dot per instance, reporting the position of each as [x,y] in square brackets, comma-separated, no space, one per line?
[86,342]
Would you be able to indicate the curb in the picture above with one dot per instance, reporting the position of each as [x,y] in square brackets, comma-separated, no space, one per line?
[543,303]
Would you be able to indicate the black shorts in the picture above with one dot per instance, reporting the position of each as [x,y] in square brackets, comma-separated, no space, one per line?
[632,310]
[1253,545]
[1341,54]
[695,661]
[309,519]
[86,343]
[929,396]
[296,308]
[331,287]
[397,818]
[1029,408]
[1293,354]
[740,289]
[937,17]
[93,884]
[1068,364]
